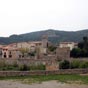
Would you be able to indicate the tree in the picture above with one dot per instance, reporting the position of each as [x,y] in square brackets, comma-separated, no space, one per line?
[75,52]
[80,45]
[85,43]
[82,50]
[52,48]
[85,38]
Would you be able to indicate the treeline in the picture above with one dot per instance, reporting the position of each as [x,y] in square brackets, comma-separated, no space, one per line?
[82,50]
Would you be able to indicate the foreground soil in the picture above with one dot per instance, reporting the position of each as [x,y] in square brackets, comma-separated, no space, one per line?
[48,84]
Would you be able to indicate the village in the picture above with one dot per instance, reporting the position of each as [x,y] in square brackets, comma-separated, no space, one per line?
[37,52]
[43,43]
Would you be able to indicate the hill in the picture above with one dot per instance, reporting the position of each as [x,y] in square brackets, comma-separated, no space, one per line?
[54,36]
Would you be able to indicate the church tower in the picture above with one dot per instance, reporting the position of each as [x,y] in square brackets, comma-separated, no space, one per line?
[44,41]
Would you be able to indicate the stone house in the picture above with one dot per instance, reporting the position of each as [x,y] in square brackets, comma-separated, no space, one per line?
[14,50]
[33,45]
[71,45]
[10,52]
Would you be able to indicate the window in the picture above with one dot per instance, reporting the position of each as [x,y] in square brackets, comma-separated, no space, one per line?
[10,56]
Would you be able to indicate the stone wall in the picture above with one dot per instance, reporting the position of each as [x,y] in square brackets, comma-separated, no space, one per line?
[52,66]
[49,61]
[29,73]
[63,53]
[30,60]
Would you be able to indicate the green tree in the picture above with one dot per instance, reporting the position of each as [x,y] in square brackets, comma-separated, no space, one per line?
[75,52]
[85,43]
[82,50]
[52,48]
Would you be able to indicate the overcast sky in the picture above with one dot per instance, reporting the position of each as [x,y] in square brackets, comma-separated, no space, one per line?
[22,16]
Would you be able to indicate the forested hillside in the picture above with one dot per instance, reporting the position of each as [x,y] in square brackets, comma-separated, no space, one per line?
[55,36]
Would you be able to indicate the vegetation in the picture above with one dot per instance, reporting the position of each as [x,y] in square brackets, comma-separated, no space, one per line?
[32,67]
[73,64]
[64,64]
[32,53]
[61,78]
[82,50]
[21,67]
[24,51]
[52,48]
[37,67]
[24,67]
[36,36]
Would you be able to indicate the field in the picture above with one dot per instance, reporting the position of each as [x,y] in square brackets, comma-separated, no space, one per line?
[49,81]
[71,79]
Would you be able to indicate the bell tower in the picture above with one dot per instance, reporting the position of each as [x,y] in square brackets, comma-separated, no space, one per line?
[44,41]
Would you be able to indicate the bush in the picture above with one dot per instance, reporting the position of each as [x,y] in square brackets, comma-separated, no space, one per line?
[84,64]
[79,64]
[2,64]
[52,48]
[64,64]
[37,67]
[23,67]
[75,64]
[15,64]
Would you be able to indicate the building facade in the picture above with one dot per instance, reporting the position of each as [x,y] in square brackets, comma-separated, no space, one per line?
[71,45]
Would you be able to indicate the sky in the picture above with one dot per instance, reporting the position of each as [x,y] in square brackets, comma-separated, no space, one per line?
[23,16]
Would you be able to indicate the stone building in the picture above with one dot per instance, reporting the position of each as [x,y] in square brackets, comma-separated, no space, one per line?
[10,52]
[63,53]
[33,45]
[71,45]
[15,50]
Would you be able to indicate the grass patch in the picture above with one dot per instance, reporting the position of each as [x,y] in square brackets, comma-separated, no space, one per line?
[38,79]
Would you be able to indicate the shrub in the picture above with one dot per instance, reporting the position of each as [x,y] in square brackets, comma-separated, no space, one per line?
[37,67]
[79,64]
[51,48]
[15,64]
[2,64]
[23,67]
[83,64]
[64,64]
[75,64]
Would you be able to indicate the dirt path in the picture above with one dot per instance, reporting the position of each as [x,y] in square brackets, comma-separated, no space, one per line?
[50,84]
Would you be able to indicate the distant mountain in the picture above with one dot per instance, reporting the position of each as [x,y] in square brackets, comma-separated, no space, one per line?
[54,36]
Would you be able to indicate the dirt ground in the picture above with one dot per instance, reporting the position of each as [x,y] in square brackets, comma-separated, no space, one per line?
[49,84]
